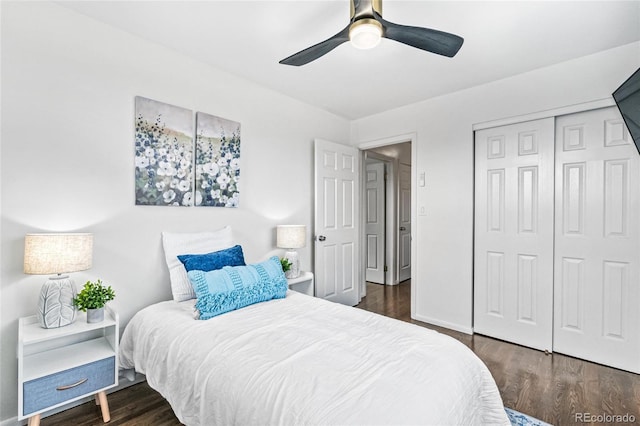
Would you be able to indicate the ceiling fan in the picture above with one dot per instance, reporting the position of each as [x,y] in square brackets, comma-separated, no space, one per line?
[365,29]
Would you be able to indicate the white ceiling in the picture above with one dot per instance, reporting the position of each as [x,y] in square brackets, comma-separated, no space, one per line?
[248,38]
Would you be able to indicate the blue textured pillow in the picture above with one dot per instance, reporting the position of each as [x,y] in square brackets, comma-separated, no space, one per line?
[234,287]
[232,256]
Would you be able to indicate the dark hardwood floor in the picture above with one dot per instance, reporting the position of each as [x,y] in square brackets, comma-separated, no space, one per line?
[554,388]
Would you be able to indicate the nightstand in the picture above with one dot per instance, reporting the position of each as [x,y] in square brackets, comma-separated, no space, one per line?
[60,365]
[302,284]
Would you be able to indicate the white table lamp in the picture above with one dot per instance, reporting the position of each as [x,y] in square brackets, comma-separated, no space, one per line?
[59,254]
[291,237]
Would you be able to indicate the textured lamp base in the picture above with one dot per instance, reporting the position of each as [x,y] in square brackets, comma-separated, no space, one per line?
[55,306]
[294,270]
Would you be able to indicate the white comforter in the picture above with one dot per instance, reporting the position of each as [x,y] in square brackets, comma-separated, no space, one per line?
[302,360]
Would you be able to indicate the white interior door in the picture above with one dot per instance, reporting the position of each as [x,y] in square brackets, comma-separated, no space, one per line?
[404,222]
[374,222]
[513,259]
[336,222]
[597,254]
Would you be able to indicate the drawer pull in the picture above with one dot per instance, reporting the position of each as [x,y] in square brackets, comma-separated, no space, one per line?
[61,388]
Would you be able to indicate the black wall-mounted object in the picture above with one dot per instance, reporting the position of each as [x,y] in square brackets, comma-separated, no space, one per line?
[627,97]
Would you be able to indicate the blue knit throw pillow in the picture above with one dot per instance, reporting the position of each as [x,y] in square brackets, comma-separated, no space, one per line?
[234,287]
[232,256]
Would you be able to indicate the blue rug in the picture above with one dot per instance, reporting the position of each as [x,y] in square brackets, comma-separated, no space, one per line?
[519,419]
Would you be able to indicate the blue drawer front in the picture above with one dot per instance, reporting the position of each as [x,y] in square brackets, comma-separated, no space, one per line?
[43,392]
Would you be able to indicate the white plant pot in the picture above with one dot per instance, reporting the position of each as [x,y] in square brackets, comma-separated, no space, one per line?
[95,315]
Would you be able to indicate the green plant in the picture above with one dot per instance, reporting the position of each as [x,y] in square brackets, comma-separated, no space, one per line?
[286,265]
[93,296]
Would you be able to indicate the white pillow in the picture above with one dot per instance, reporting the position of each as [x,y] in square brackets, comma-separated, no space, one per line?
[190,243]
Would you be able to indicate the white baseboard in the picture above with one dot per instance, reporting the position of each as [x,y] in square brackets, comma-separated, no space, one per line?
[10,422]
[122,383]
[445,324]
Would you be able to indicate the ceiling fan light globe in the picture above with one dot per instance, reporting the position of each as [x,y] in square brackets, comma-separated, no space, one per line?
[365,34]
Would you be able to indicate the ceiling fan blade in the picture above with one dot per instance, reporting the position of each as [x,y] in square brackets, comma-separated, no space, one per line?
[314,52]
[434,41]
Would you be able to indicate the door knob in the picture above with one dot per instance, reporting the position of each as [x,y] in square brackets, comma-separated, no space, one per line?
[321,238]
[402,228]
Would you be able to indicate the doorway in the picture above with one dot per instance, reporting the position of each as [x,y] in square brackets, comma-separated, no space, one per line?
[386,207]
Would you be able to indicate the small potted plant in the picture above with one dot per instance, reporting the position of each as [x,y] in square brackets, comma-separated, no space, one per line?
[286,265]
[92,299]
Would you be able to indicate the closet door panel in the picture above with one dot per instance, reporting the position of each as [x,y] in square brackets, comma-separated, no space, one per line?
[597,240]
[513,274]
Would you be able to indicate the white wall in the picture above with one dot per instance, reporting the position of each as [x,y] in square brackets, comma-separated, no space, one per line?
[443,260]
[399,151]
[68,87]
[66,159]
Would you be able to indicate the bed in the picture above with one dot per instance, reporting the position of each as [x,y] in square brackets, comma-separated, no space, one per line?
[236,347]
[300,360]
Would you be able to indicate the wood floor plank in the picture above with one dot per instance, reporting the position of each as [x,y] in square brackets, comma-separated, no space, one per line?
[554,388]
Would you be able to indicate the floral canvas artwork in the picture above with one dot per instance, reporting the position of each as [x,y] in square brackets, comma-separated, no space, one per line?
[217,161]
[163,154]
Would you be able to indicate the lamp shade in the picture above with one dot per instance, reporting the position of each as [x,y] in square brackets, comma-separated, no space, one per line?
[291,236]
[57,253]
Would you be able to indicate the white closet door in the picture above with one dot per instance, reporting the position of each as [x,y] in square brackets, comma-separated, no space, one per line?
[597,277]
[513,260]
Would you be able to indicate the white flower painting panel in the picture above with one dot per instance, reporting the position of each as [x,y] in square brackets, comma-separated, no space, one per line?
[163,154]
[217,161]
